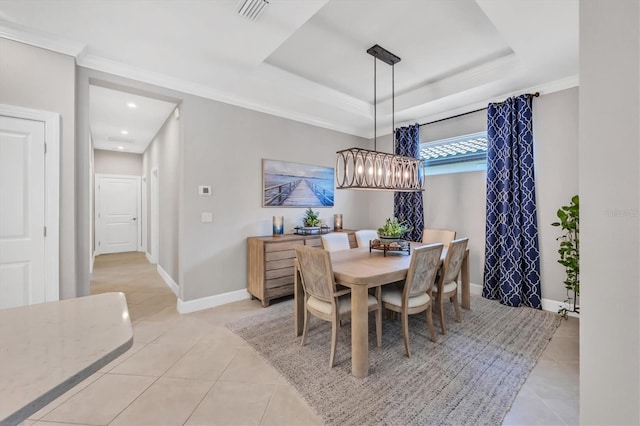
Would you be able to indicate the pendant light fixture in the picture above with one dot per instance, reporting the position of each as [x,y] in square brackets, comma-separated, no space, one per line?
[358,168]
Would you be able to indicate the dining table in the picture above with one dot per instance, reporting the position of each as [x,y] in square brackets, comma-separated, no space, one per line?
[363,268]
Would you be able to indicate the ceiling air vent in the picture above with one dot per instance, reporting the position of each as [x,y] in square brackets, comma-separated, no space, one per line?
[120,140]
[252,9]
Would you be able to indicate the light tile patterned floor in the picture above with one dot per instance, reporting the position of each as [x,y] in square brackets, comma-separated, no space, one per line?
[190,369]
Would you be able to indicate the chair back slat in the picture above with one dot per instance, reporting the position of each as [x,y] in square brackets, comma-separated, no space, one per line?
[423,268]
[317,273]
[453,261]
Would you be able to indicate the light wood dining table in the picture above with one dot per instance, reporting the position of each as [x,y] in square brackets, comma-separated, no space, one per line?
[361,269]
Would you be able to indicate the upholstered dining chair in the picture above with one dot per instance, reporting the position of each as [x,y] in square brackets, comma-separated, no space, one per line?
[444,236]
[323,300]
[363,237]
[415,296]
[447,284]
[335,241]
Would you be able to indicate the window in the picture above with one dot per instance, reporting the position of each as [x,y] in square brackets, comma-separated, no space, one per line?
[459,154]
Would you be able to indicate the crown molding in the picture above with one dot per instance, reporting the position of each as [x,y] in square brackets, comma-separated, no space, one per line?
[22,34]
[117,68]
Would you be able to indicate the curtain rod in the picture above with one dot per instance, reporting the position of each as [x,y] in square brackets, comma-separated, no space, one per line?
[533,95]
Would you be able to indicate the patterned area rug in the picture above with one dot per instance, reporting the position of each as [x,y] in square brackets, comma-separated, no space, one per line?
[470,376]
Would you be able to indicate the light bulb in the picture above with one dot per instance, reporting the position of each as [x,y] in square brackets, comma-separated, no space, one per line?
[359,170]
[370,170]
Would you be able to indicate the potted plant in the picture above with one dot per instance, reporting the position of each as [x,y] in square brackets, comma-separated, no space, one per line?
[392,230]
[570,253]
[311,219]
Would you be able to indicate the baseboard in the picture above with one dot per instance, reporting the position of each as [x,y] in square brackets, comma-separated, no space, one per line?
[547,304]
[167,279]
[149,258]
[91,260]
[211,301]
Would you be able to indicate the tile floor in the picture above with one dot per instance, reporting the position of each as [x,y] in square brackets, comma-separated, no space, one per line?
[190,369]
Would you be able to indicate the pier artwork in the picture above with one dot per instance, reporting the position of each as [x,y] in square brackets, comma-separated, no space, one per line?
[288,184]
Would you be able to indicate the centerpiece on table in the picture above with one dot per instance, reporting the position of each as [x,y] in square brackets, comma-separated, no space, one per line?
[392,231]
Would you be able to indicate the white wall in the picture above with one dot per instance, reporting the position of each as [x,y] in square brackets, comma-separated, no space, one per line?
[163,153]
[117,163]
[609,181]
[35,78]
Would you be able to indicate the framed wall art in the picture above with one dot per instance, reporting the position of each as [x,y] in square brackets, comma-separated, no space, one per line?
[286,184]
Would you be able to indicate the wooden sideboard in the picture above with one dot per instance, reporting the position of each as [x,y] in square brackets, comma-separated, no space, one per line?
[270,263]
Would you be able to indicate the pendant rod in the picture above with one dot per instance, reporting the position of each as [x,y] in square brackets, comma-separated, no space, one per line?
[375,106]
[393,107]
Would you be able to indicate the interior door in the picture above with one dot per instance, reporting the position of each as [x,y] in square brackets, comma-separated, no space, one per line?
[117,199]
[22,212]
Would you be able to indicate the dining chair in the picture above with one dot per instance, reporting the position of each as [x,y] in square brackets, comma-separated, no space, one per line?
[364,236]
[335,241]
[415,296]
[444,236]
[447,284]
[323,300]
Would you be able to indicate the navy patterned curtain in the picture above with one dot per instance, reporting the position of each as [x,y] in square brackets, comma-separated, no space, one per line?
[512,258]
[407,206]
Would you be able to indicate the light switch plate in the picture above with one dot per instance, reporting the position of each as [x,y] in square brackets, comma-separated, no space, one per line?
[207,217]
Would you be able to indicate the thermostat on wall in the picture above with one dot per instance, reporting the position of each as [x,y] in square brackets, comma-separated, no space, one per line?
[204,190]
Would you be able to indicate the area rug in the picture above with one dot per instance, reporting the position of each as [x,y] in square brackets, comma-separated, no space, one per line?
[470,376]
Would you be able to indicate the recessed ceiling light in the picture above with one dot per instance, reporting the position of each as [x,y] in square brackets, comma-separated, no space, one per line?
[132,105]
[124,132]
[121,147]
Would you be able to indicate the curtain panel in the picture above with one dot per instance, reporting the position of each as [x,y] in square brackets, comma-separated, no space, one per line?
[512,257]
[407,206]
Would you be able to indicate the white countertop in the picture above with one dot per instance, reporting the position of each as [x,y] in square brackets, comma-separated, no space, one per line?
[48,348]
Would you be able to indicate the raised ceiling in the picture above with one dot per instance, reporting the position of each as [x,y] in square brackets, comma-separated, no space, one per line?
[306,60]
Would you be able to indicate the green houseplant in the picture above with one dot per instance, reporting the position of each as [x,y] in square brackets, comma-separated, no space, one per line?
[569,251]
[311,218]
[392,229]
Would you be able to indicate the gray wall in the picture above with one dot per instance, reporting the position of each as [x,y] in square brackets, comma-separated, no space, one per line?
[222,146]
[609,181]
[458,201]
[117,163]
[163,153]
[35,78]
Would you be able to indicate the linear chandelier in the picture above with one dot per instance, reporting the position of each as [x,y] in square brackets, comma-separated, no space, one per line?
[358,168]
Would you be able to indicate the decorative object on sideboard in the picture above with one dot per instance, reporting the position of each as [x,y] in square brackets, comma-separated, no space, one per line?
[278,226]
[358,168]
[569,252]
[337,222]
[286,184]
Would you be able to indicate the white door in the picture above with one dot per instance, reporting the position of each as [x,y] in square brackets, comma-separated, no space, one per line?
[117,199]
[22,212]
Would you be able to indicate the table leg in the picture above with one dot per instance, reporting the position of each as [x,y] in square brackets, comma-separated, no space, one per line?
[359,331]
[298,302]
[466,296]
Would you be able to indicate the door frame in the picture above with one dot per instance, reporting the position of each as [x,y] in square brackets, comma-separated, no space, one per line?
[142,244]
[155,215]
[51,192]
[99,229]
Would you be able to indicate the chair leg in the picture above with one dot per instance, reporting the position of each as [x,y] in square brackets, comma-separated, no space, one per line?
[454,299]
[334,338]
[305,328]
[432,331]
[379,317]
[441,306]
[405,333]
